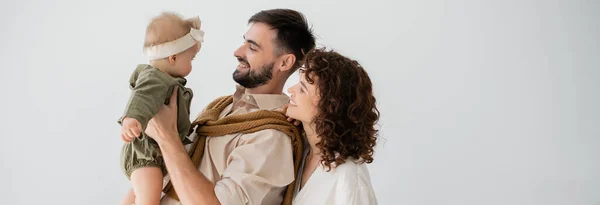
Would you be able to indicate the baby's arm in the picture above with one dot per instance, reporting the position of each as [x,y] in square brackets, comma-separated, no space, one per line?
[131,129]
[147,95]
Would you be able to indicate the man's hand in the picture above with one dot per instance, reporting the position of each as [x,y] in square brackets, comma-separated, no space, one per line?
[164,124]
[131,129]
[289,119]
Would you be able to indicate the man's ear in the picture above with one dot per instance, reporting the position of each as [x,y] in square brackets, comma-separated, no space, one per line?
[172,59]
[287,62]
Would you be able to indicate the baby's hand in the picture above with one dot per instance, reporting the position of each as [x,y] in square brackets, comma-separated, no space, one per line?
[131,129]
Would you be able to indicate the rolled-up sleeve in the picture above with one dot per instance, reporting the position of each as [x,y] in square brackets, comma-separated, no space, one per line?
[258,169]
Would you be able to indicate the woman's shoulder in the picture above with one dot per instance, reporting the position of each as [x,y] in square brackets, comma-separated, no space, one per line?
[353,180]
[352,171]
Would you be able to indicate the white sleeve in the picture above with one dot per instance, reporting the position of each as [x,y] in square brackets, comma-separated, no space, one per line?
[355,190]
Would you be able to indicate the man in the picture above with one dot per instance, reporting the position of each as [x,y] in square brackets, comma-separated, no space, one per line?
[242,168]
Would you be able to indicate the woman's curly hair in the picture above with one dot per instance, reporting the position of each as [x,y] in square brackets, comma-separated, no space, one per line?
[347,112]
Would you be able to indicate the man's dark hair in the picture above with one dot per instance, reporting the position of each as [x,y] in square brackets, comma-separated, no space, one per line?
[293,33]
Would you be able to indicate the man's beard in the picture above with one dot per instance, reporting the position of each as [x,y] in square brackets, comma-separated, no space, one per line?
[253,78]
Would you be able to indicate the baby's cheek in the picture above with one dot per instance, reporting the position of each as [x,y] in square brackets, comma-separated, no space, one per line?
[188,69]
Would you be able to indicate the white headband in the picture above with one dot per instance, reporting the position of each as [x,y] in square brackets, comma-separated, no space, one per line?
[179,45]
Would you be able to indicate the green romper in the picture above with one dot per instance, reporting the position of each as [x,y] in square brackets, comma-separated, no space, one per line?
[150,89]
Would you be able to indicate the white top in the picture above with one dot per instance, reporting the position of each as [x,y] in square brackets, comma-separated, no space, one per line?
[347,184]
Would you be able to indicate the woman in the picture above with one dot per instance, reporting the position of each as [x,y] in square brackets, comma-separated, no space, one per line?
[334,102]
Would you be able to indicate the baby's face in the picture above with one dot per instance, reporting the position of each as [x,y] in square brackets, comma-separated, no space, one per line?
[183,64]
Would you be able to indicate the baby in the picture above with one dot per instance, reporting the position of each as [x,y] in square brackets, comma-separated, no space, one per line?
[171,44]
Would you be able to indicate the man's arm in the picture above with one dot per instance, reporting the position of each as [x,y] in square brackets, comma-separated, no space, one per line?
[191,185]
[258,169]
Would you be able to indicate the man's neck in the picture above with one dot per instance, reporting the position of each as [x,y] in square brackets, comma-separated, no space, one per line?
[266,89]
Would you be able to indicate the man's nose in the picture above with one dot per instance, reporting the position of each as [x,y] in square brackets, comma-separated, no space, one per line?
[238,51]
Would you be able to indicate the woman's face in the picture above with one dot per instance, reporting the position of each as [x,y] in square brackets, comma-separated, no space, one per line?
[304,100]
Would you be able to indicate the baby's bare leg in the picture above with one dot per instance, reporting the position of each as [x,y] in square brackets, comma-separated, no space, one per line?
[147,185]
[129,198]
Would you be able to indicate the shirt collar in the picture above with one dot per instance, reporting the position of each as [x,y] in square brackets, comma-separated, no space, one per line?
[262,101]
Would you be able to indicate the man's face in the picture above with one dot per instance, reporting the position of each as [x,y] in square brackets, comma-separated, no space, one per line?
[255,56]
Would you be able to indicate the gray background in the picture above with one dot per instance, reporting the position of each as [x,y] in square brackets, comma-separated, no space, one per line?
[482,102]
